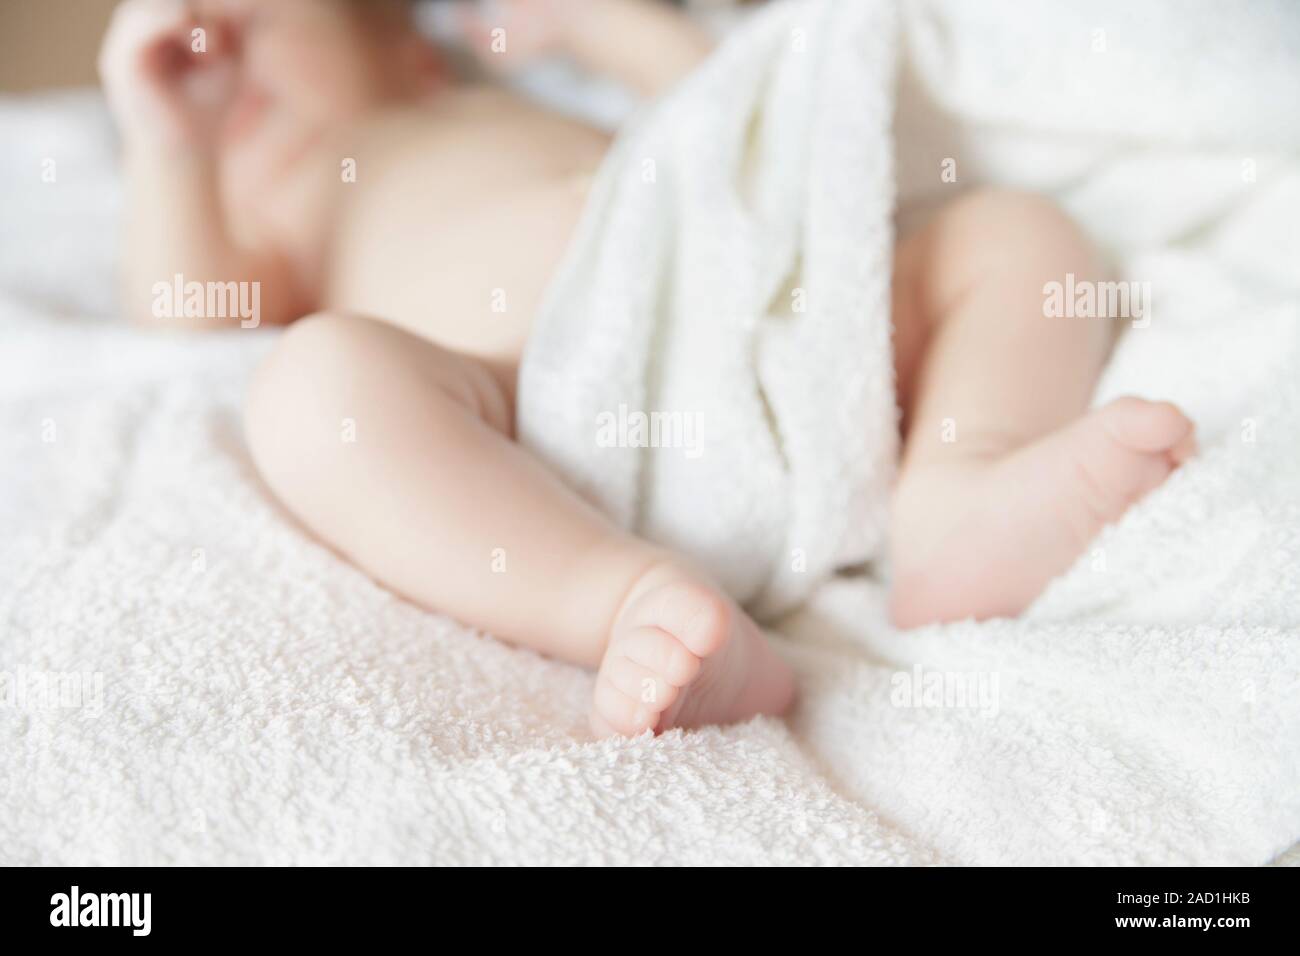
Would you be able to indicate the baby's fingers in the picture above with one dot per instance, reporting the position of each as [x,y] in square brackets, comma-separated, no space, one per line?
[136,30]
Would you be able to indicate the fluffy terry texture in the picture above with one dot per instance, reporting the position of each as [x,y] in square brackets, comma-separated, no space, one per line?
[261,701]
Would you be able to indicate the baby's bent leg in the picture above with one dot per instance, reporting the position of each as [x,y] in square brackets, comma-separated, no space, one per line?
[1003,480]
[398,453]
[993,373]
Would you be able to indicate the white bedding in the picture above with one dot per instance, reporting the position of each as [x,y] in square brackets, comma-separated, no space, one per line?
[251,698]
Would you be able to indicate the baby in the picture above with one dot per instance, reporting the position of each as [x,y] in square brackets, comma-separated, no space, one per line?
[321,149]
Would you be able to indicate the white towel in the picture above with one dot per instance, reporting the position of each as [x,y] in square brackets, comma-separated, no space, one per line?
[731,277]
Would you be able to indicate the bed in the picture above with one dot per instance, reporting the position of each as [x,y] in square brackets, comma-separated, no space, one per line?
[190,678]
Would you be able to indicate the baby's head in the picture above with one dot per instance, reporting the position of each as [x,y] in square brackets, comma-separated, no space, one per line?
[325,60]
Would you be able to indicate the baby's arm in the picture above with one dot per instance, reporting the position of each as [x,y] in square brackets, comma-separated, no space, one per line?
[175,225]
[646,44]
[168,101]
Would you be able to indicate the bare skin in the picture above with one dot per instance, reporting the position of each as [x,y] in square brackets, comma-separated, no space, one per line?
[1004,480]
[483,236]
[412,289]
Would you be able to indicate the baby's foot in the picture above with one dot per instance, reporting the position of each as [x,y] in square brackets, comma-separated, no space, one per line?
[982,538]
[681,654]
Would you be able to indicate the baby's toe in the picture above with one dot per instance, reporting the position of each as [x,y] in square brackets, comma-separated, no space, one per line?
[640,683]
[1184,448]
[599,725]
[696,615]
[662,653]
[1149,426]
[619,713]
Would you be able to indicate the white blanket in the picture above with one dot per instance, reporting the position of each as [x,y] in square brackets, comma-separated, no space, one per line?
[248,697]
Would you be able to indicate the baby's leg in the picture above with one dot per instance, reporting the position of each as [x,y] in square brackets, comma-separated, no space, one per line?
[399,454]
[1004,479]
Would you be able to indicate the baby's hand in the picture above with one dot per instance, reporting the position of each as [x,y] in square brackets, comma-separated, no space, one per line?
[168,78]
[508,34]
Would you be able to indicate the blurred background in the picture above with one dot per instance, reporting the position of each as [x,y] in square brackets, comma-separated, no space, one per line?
[50,43]
[53,43]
